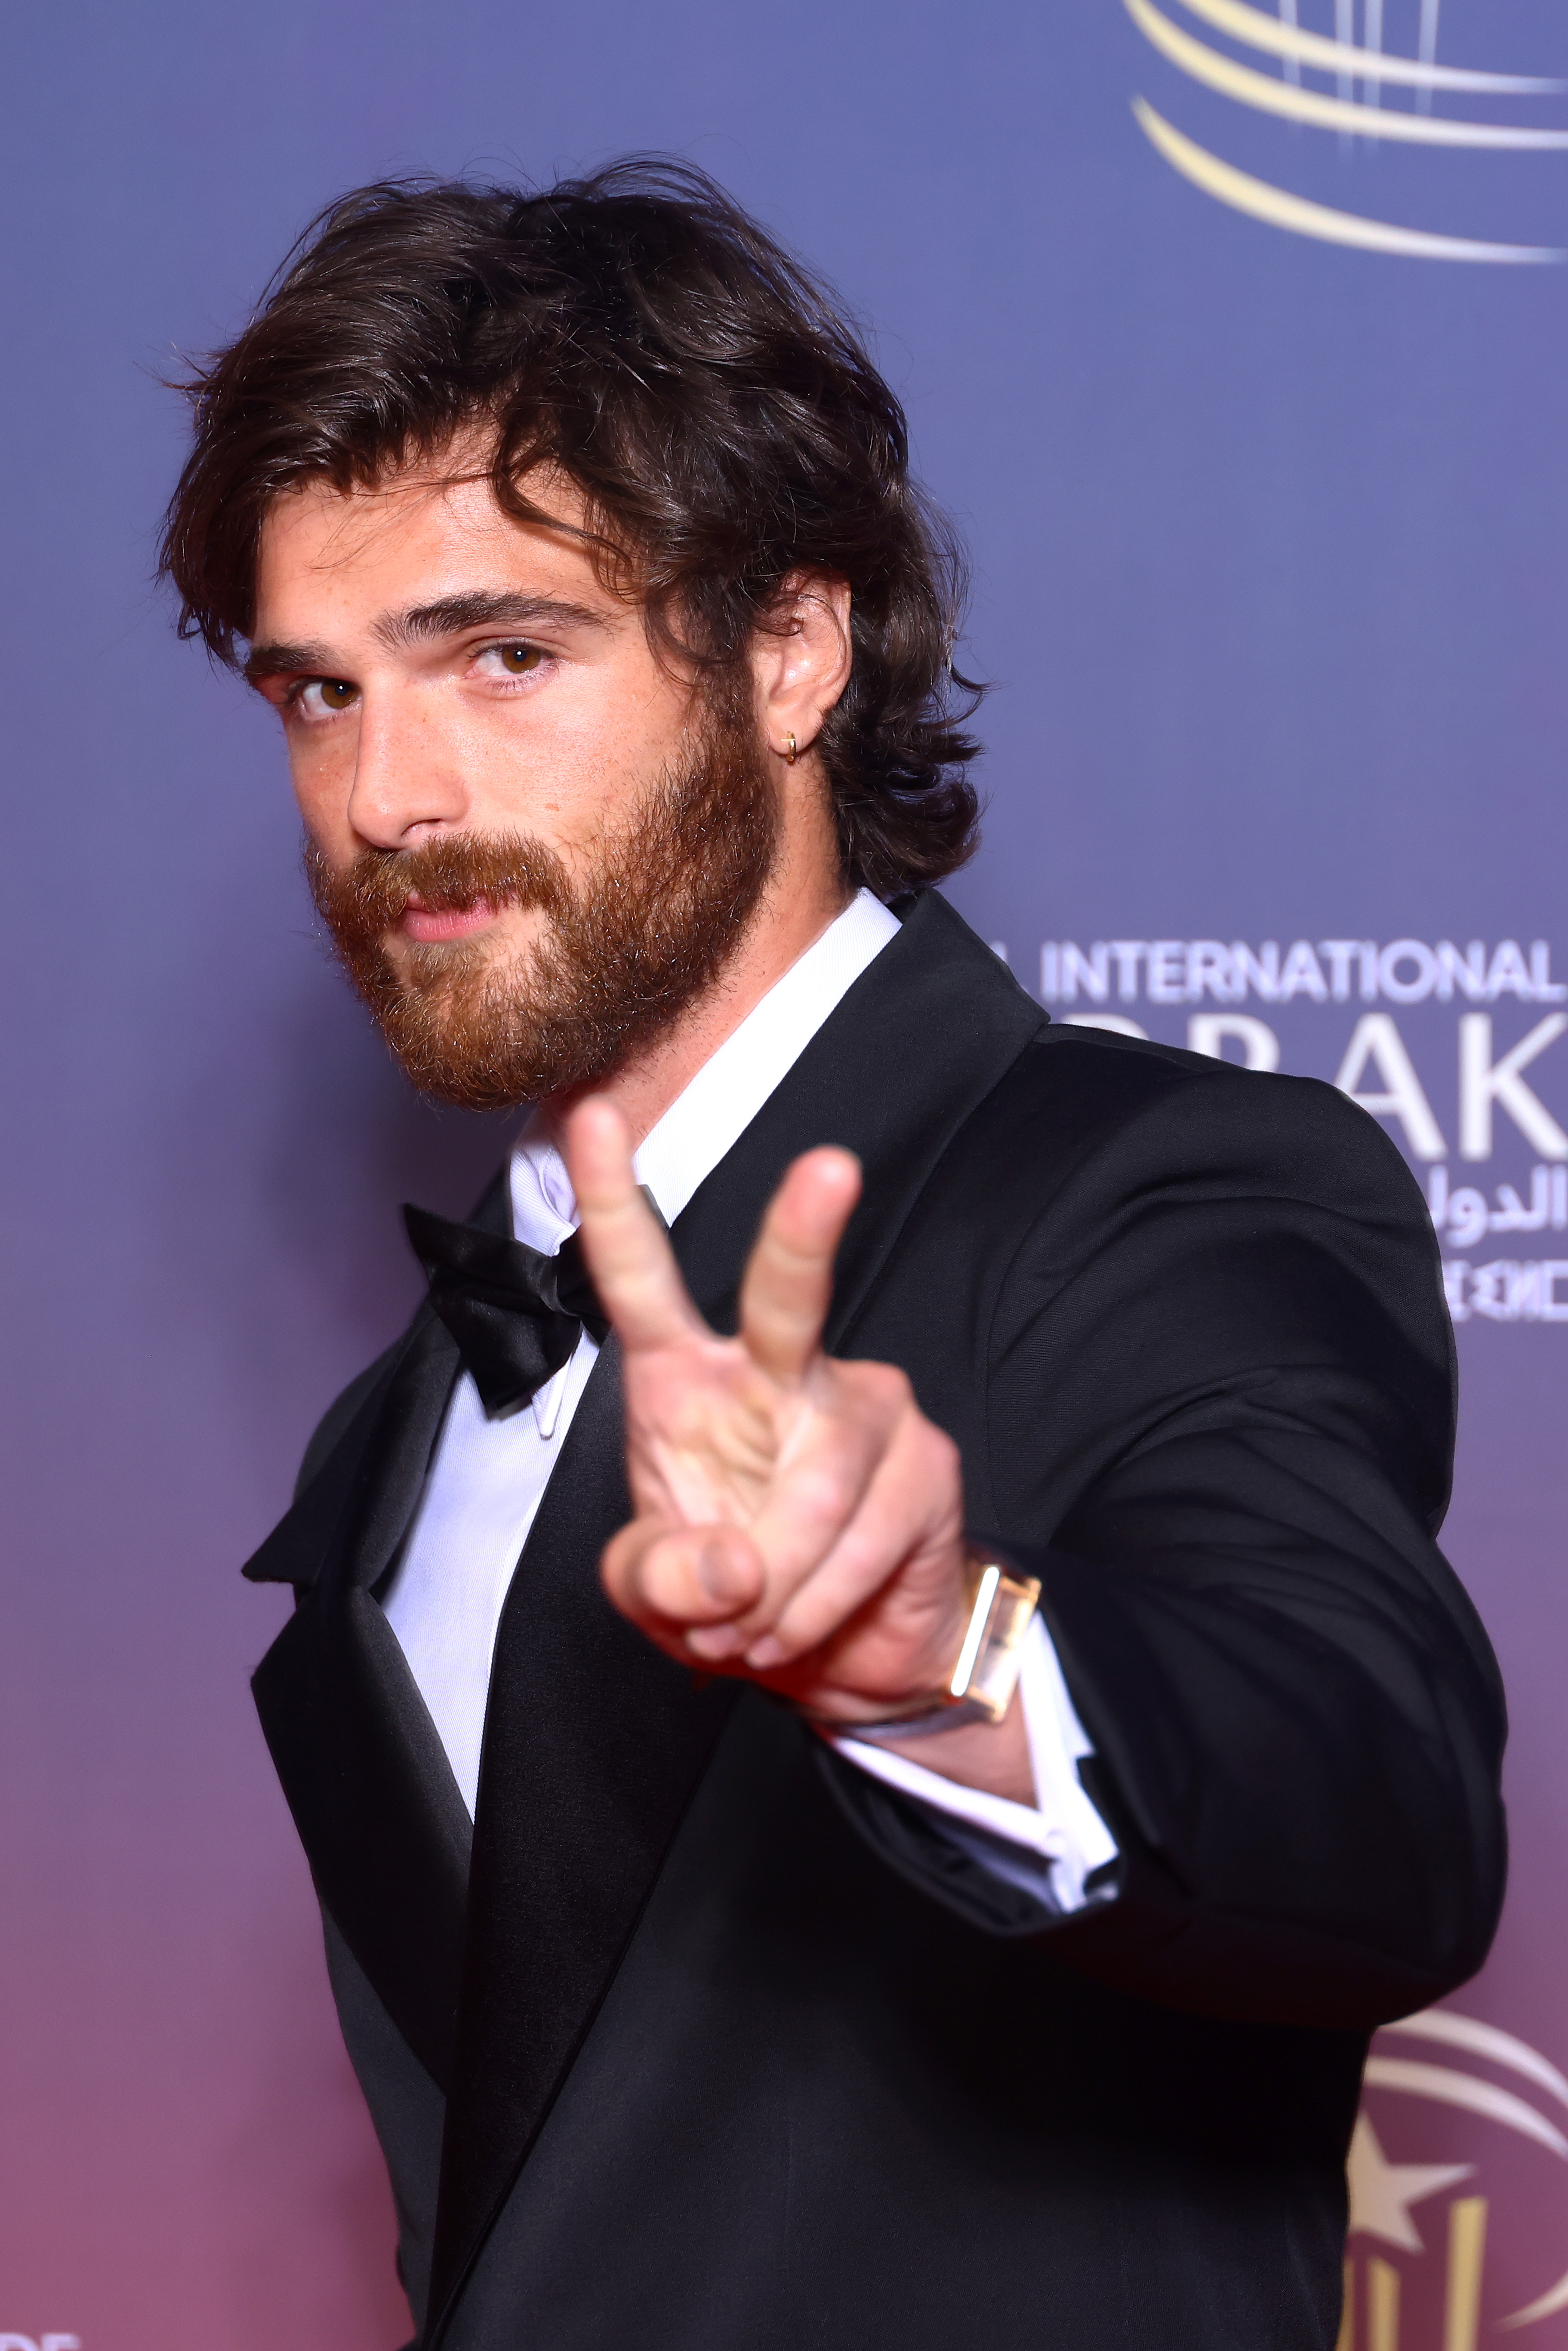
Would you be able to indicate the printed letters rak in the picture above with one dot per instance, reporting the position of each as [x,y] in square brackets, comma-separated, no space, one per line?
[1454,1091]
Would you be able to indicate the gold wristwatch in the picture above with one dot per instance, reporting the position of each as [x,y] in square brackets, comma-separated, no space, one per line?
[985,1675]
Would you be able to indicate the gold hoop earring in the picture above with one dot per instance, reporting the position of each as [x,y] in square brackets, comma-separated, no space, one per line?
[790,753]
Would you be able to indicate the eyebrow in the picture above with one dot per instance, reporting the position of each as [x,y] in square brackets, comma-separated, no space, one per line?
[448,616]
[483,609]
[286,660]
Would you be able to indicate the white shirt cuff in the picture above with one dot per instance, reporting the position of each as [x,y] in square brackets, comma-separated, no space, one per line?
[1050,1848]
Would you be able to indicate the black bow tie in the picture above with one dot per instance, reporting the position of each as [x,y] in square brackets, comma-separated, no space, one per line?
[516,1315]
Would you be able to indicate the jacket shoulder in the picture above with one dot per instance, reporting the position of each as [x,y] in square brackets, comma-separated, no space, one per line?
[1113,1162]
[335,1422]
[492,1216]
[1102,1092]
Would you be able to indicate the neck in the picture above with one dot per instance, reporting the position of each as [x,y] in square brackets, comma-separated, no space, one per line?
[805,893]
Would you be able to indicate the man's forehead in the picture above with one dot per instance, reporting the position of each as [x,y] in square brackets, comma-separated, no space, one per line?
[419,538]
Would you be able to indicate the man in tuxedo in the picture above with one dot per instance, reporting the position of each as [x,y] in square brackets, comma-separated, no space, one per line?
[873,1703]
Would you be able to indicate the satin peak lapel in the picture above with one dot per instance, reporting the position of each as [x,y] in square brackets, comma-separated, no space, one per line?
[916,1045]
[381,1817]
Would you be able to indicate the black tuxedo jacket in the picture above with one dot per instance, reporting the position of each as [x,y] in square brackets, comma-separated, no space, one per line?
[702,2040]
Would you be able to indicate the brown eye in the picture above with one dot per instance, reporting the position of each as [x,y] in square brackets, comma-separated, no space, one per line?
[518,660]
[337,694]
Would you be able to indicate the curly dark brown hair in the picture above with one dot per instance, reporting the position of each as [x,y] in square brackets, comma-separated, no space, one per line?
[716,410]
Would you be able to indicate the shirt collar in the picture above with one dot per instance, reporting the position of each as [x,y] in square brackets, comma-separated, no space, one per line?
[710,1116]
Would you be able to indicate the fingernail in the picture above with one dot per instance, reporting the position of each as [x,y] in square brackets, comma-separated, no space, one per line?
[714,1641]
[715,1571]
[767,1652]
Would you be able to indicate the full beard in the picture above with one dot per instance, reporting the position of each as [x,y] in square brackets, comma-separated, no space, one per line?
[629,942]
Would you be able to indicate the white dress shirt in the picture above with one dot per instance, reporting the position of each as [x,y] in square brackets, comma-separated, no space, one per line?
[487,1477]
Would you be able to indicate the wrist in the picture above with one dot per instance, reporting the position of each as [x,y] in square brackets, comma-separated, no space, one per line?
[992,1757]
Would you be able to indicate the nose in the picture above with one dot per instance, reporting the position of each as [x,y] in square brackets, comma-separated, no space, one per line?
[408,782]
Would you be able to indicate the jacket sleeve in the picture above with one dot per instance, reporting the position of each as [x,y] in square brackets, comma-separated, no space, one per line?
[1220,1423]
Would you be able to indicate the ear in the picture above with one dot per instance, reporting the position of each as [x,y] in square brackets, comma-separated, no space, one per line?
[801,660]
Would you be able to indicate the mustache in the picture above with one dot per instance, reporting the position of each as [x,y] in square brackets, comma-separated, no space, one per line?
[364,901]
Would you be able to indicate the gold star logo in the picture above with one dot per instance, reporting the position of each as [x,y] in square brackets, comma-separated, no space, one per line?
[1381,2193]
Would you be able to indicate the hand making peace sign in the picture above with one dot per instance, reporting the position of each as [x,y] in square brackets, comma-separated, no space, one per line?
[798,1520]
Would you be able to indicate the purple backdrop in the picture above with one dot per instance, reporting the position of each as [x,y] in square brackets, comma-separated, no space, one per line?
[1270,547]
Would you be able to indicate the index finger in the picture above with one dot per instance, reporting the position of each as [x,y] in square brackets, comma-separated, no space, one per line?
[632,1264]
[790,1277]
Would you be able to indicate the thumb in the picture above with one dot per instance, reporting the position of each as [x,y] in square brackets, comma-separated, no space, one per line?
[661,1575]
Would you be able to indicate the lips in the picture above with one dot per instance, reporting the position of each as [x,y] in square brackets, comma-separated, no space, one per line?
[432,926]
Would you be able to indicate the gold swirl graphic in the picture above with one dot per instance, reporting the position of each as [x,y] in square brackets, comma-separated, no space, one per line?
[1249,87]
[1277,209]
[1256,31]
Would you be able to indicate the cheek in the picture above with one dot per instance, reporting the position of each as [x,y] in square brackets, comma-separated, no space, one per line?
[322,774]
[558,775]
[568,762]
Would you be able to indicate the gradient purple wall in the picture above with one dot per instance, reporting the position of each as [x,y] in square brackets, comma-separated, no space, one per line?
[1272,545]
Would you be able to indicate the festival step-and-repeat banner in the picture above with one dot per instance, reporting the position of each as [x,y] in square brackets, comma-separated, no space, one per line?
[1232,333]
[1440,1039]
